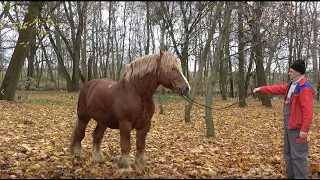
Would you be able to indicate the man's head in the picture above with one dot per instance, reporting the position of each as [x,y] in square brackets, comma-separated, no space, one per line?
[297,68]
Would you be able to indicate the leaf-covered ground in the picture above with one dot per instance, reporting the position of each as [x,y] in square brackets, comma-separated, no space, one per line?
[35,133]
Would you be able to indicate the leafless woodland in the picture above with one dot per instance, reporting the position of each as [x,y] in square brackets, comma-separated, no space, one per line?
[226,48]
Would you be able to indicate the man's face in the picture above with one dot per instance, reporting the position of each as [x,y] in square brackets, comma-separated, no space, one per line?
[293,73]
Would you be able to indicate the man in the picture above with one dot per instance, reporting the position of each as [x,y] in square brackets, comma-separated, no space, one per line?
[298,112]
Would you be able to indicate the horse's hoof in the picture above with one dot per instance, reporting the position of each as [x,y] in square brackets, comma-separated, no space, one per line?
[76,155]
[75,151]
[98,158]
[123,170]
[140,160]
[140,163]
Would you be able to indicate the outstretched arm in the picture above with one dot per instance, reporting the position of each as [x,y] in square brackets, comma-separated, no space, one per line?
[274,90]
[256,90]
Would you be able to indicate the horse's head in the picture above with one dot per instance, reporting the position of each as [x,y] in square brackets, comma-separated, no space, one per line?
[170,74]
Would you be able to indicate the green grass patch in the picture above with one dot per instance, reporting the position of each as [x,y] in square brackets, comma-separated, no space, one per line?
[316,104]
[167,98]
[45,102]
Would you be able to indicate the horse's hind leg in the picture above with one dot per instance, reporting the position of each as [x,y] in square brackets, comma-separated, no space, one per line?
[77,136]
[97,155]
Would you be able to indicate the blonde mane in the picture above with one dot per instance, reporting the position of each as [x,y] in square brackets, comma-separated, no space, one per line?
[148,64]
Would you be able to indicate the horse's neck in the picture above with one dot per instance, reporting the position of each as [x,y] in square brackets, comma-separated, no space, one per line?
[146,86]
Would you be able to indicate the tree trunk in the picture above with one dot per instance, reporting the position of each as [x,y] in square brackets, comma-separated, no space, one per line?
[58,39]
[147,46]
[94,48]
[84,68]
[231,93]
[318,87]
[222,75]
[202,62]
[108,40]
[123,36]
[32,53]
[224,66]
[163,48]
[26,36]
[258,48]
[48,63]
[290,50]
[241,84]
[273,48]
[216,58]
[77,46]
[59,57]
[90,61]
[314,45]
[249,73]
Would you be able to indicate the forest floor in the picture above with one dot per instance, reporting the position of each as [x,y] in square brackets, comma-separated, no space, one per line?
[35,134]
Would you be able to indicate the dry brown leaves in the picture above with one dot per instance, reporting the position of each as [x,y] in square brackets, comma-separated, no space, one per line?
[249,142]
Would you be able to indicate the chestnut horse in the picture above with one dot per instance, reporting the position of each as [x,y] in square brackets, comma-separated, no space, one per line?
[126,105]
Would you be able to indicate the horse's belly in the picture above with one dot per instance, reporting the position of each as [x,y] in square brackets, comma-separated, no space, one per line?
[109,121]
[112,123]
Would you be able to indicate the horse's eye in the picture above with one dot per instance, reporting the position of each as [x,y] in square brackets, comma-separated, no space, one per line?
[173,69]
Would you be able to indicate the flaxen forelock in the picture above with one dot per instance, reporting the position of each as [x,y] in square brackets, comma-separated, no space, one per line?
[148,64]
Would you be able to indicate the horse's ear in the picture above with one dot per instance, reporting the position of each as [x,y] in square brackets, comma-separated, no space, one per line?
[161,53]
[127,67]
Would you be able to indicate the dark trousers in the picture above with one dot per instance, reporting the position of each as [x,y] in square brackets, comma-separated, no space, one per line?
[295,150]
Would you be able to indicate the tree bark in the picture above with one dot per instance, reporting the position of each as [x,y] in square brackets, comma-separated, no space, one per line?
[147,46]
[58,52]
[30,57]
[314,45]
[48,63]
[216,58]
[258,48]
[84,68]
[241,84]
[224,66]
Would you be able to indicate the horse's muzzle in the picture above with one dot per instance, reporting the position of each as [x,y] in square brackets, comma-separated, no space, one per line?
[183,90]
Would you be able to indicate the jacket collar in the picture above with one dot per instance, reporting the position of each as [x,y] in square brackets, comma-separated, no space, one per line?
[302,81]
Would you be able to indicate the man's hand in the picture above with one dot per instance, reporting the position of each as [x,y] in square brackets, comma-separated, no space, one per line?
[256,90]
[303,134]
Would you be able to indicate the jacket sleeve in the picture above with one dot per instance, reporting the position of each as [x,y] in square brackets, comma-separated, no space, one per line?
[275,89]
[306,101]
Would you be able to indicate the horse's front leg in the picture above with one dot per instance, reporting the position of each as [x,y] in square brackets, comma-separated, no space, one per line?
[125,131]
[140,159]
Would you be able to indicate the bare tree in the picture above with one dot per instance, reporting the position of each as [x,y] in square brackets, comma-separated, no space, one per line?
[216,57]
[241,83]
[258,48]
[202,61]
[192,13]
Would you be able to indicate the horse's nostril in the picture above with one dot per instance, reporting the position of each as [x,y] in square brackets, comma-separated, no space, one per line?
[187,88]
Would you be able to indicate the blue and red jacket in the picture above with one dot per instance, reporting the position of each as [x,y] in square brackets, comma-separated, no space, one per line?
[301,102]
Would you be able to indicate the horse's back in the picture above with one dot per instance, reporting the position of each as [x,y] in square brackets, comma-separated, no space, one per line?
[93,93]
[97,84]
